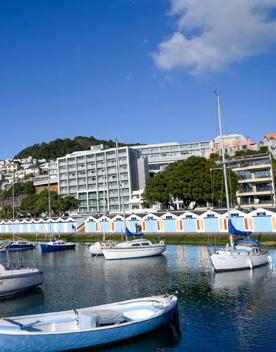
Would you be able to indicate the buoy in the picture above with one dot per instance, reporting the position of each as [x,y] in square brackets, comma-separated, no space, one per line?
[250,264]
[269,260]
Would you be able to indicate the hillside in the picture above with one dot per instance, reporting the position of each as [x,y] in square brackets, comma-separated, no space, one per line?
[61,147]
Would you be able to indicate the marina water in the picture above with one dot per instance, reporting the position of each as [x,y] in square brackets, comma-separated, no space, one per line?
[217,312]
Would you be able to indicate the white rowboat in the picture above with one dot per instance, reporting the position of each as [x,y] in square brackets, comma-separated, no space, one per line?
[86,327]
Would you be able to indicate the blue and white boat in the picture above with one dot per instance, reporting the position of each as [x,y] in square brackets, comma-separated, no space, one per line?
[86,327]
[243,253]
[239,254]
[56,246]
[20,245]
[140,248]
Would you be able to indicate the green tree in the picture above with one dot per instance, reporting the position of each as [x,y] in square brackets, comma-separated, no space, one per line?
[61,147]
[194,180]
[6,212]
[157,191]
[38,204]
[28,188]
[17,189]
[29,206]
[263,150]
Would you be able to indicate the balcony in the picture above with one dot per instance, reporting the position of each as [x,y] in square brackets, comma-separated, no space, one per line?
[252,167]
[253,193]
[255,180]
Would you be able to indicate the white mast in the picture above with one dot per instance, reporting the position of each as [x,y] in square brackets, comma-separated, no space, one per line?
[223,161]
[49,201]
[13,212]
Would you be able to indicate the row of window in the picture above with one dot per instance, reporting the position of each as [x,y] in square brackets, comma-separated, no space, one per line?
[92,157]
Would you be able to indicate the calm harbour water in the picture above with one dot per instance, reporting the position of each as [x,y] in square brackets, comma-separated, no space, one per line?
[217,312]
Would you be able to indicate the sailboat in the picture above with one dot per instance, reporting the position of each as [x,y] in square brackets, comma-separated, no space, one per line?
[18,244]
[54,245]
[239,254]
[16,278]
[140,248]
[96,248]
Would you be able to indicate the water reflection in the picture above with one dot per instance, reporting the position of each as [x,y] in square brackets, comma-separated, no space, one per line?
[237,279]
[167,337]
[218,312]
[29,301]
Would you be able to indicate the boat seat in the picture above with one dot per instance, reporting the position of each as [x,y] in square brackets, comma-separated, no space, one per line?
[101,317]
[34,326]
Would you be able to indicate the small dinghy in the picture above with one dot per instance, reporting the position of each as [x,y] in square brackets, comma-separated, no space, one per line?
[86,327]
[96,248]
[55,246]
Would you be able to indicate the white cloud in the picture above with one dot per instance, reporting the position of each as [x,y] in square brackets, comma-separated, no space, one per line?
[212,34]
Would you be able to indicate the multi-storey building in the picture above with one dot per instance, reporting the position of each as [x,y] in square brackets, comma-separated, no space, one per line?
[270,142]
[102,179]
[160,155]
[232,144]
[255,179]
[47,178]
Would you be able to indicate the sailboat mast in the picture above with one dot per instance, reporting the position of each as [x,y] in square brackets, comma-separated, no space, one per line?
[49,200]
[13,211]
[223,160]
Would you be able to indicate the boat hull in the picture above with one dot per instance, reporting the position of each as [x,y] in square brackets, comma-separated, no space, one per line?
[133,252]
[13,284]
[227,261]
[18,247]
[52,342]
[56,248]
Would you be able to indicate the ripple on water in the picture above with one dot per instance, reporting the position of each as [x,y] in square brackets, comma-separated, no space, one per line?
[217,312]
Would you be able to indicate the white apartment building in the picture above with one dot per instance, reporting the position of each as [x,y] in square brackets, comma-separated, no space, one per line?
[161,155]
[269,141]
[255,180]
[102,179]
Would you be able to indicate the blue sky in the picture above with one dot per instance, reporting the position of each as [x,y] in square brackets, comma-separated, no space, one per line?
[140,71]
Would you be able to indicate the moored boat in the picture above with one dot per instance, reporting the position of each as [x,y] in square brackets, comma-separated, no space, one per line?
[17,278]
[243,253]
[140,248]
[86,327]
[14,279]
[55,246]
[21,245]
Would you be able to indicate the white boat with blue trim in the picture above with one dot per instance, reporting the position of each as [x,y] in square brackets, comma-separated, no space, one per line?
[244,253]
[86,327]
[140,248]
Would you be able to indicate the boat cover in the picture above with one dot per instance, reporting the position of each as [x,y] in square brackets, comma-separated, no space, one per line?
[129,233]
[100,317]
[233,231]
